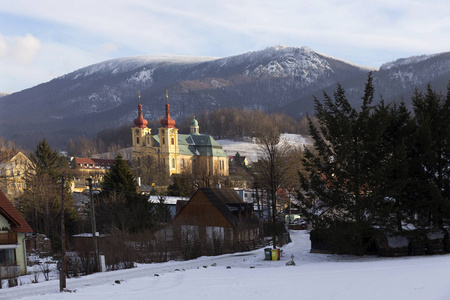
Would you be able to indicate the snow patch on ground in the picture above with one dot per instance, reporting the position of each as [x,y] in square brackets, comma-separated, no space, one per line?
[248,276]
[249,149]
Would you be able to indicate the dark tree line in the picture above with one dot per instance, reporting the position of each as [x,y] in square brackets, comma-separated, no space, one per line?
[233,123]
[377,167]
[225,123]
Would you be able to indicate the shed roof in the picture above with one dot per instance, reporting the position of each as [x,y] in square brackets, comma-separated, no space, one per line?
[223,200]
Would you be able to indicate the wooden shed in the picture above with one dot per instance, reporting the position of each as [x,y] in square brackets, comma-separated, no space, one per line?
[217,220]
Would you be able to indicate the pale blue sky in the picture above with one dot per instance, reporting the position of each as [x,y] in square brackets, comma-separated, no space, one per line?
[41,40]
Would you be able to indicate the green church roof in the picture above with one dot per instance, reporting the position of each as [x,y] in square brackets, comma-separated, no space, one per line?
[196,144]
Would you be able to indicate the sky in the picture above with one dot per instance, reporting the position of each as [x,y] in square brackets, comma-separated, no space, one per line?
[45,39]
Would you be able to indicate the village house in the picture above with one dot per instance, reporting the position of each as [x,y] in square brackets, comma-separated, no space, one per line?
[12,175]
[13,227]
[214,221]
[94,168]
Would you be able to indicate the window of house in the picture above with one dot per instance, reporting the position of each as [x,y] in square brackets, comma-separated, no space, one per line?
[173,163]
[189,233]
[215,234]
[7,257]
[182,163]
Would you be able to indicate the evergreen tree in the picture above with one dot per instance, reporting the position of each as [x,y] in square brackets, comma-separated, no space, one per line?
[238,160]
[41,201]
[162,212]
[338,196]
[120,204]
[45,161]
[183,185]
[394,172]
[432,162]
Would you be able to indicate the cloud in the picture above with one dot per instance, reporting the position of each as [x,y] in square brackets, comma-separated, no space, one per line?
[364,32]
[20,49]
[3,47]
[26,48]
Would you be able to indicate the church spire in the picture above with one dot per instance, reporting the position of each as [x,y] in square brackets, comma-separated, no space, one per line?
[168,122]
[140,121]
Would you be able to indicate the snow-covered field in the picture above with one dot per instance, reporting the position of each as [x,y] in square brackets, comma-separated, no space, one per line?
[250,150]
[315,276]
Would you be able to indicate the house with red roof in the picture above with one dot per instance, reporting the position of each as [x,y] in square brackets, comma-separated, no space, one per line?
[94,168]
[13,227]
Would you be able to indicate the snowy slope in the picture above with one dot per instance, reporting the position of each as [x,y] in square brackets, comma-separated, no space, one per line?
[250,149]
[315,276]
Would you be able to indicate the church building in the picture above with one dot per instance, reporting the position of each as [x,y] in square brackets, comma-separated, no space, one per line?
[178,153]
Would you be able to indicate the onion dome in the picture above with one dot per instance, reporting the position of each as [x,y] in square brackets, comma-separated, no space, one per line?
[194,122]
[168,122]
[140,121]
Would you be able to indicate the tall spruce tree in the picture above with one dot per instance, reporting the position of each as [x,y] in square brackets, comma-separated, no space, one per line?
[41,201]
[432,163]
[393,176]
[120,204]
[337,193]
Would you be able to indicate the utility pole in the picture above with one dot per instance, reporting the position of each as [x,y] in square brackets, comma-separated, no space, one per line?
[94,229]
[62,271]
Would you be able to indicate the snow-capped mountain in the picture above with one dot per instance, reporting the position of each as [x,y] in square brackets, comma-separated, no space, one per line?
[277,78]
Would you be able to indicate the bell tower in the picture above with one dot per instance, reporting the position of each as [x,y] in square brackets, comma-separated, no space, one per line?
[141,134]
[168,141]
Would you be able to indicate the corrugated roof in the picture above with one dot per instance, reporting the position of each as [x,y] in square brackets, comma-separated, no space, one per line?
[7,209]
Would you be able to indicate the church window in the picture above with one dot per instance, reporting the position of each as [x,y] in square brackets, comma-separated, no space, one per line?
[173,163]
[164,141]
[172,141]
[137,140]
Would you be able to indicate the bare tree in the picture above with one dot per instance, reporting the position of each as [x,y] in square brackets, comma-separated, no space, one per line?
[273,168]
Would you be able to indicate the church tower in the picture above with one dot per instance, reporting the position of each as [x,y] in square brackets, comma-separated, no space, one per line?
[194,126]
[168,139]
[140,133]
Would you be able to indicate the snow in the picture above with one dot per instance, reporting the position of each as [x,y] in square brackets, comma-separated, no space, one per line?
[315,276]
[250,149]
[406,61]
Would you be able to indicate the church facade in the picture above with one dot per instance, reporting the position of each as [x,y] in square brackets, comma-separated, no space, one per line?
[192,153]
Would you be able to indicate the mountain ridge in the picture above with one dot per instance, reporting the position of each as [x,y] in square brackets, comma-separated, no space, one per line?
[277,78]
